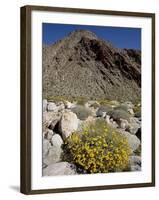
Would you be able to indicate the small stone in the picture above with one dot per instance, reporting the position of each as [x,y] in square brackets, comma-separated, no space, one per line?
[57,140]
[68,105]
[48,134]
[123,123]
[51,106]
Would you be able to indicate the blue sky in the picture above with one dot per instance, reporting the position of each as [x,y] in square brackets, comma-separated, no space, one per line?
[119,37]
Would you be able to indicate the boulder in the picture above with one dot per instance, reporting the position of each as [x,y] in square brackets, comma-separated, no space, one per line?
[134,125]
[45,147]
[133,128]
[48,134]
[61,168]
[123,123]
[133,141]
[50,119]
[57,140]
[61,107]
[135,163]
[51,106]
[68,105]
[44,105]
[68,124]
[53,155]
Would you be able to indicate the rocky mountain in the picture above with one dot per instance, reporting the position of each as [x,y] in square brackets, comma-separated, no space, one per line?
[81,64]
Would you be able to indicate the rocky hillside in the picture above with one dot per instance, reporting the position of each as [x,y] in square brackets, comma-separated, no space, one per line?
[81,64]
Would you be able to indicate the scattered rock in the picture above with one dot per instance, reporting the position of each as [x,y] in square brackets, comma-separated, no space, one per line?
[53,155]
[61,168]
[123,123]
[60,107]
[51,106]
[133,141]
[103,110]
[57,140]
[51,118]
[130,111]
[45,148]
[135,163]
[68,105]
[133,128]
[107,119]
[68,124]
[48,134]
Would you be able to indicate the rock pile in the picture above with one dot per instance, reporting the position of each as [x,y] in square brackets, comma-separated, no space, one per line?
[60,119]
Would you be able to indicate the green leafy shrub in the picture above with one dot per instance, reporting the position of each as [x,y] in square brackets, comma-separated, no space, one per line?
[98,149]
[82,112]
[119,114]
[102,109]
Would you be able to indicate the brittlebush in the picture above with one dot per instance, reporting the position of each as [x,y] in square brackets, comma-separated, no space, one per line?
[98,149]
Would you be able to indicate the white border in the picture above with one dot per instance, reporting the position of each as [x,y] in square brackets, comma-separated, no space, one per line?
[39,182]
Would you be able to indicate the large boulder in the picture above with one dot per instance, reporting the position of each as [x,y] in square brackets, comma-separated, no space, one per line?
[57,140]
[133,141]
[68,124]
[53,155]
[61,168]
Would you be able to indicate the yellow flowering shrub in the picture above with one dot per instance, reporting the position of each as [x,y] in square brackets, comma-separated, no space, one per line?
[97,149]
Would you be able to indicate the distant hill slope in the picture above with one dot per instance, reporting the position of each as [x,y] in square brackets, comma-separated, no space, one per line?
[81,64]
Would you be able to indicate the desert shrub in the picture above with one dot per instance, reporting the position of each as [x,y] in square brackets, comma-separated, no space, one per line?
[119,114]
[57,99]
[81,101]
[98,149]
[95,105]
[104,102]
[82,112]
[102,109]
[122,107]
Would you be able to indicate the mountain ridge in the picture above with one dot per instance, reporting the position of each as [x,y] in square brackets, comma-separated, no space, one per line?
[81,64]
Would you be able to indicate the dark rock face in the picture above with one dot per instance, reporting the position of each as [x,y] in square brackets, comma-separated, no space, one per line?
[84,65]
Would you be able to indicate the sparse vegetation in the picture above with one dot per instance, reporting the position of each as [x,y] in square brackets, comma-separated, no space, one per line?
[102,109]
[82,112]
[119,114]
